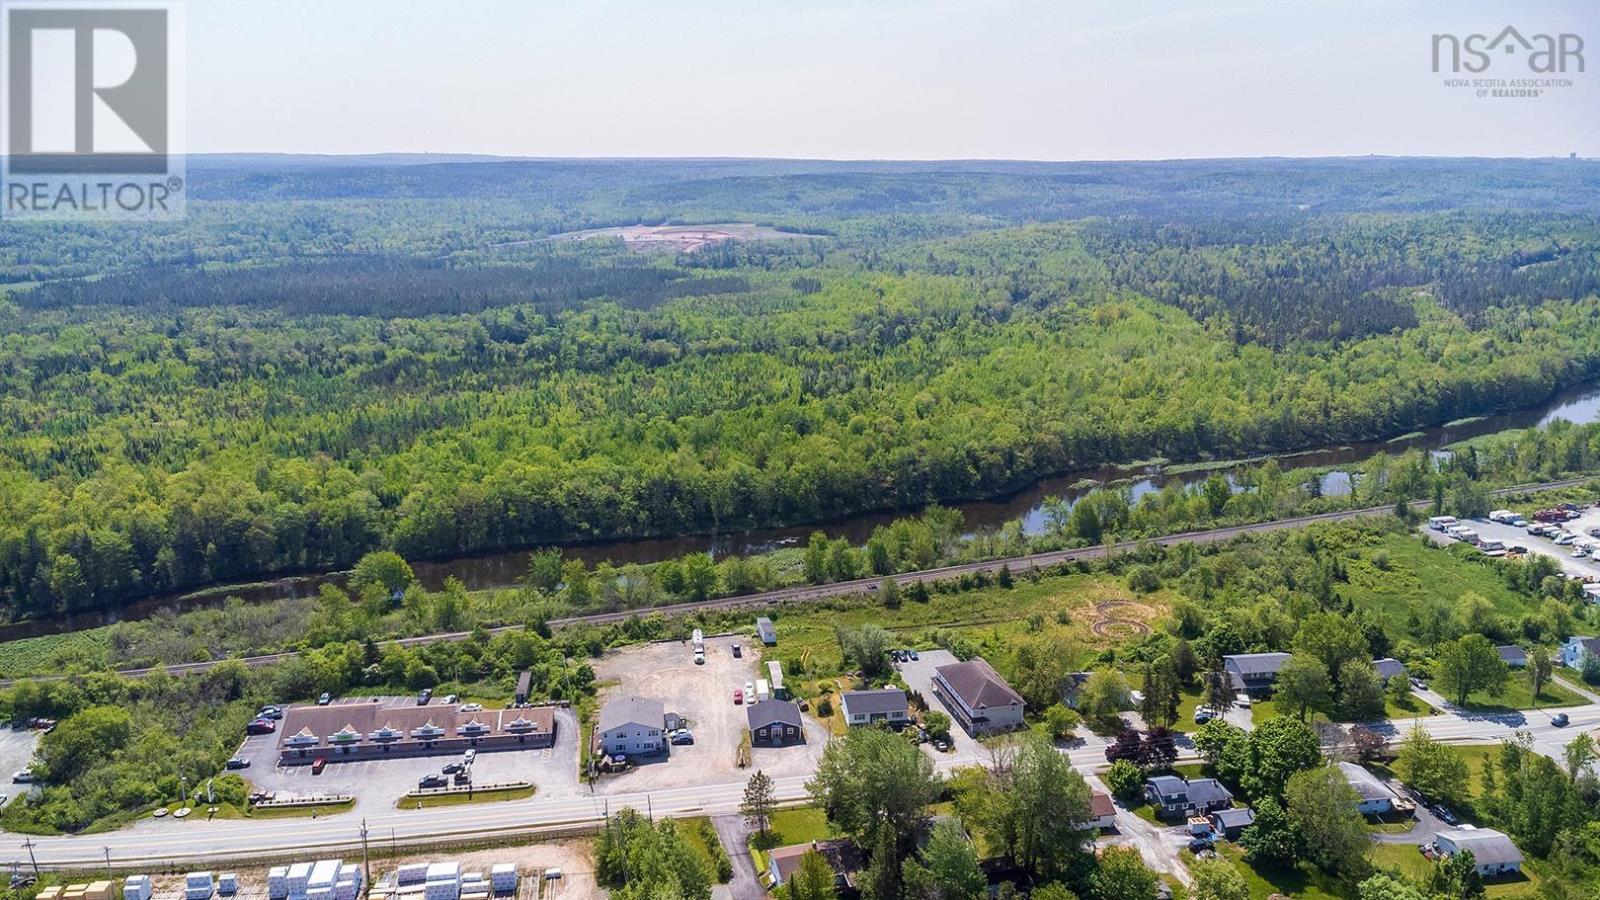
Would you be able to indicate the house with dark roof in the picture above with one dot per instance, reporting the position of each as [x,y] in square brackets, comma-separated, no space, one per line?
[977,697]
[1232,822]
[1102,812]
[1389,667]
[841,855]
[1374,798]
[631,726]
[775,723]
[1492,852]
[1577,649]
[1512,655]
[888,706]
[1254,673]
[1175,798]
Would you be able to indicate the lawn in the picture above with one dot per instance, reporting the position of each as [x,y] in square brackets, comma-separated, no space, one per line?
[1301,882]
[1413,708]
[1474,754]
[1517,694]
[1406,860]
[456,799]
[788,826]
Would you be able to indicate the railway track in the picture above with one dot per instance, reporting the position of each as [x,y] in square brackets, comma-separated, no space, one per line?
[812,593]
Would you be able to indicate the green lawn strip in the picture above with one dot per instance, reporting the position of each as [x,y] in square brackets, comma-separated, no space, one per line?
[788,826]
[701,835]
[1518,695]
[456,798]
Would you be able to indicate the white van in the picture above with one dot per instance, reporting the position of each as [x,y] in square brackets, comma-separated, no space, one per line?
[1440,523]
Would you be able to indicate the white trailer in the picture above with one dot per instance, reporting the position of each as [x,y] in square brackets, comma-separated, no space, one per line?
[1503,516]
[1440,523]
[763,690]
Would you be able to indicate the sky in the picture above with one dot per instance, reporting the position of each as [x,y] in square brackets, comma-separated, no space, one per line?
[872,79]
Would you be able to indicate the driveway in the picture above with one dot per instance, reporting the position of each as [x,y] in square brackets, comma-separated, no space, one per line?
[1158,846]
[735,835]
[918,674]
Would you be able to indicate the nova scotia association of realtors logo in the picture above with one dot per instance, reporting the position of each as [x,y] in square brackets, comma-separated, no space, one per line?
[89,130]
[1509,64]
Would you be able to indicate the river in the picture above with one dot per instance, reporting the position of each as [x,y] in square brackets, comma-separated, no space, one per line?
[506,568]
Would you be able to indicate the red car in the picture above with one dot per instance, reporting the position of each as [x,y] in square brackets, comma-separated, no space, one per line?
[318,764]
[738,696]
[260,726]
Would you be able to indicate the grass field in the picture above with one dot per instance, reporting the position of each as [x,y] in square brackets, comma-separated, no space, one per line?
[1415,574]
[991,616]
[791,825]
[1404,859]
[1414,708]
[1518,694]
[49,654]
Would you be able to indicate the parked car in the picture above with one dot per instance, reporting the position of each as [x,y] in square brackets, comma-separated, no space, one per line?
[738,651]
[1444,813]
[260,726]
[469,756]
[270,712]
[1560,720]
[452,768]
[683,736]
[451,699]
[325,699]
[22,776]
[472,707]
[1204,714]
[423,696]
[1243,700]
[432,781]
[318,764]
[238,762]
[738,696]
[912,654]
[1200,844]
[749,688]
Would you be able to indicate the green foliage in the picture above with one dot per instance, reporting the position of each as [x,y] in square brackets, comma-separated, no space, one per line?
[1121,875]
[1434,769]
[872,780]
[1271,839]
[1302,685]
[1468,665]
[1276,750]
[866,649]
[1125,779]
[641,861]
[947,868]
[1103,697]
[1322,811]
[813,880]
[1217,879]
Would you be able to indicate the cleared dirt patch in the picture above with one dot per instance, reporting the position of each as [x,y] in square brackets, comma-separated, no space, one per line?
[684,238]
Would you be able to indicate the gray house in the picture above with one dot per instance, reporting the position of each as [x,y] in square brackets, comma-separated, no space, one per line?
[1254,673]
[1375,797]
[1493,852]
[1389,667]
[1175,798]
[977,697]
[1232,822]
[870,707]
[631,725]
[1512,655]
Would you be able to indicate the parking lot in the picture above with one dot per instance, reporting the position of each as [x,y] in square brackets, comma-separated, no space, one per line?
[379,783]
[703,695]
[16,752]
[1513,536]
[918,674]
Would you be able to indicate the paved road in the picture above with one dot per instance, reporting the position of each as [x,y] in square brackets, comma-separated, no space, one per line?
[808,593]
[153,841]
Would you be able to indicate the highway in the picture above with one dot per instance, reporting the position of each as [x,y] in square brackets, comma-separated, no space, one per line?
[808,593]
[152,842]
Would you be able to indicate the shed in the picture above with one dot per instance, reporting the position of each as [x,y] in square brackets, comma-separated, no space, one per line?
[766,631]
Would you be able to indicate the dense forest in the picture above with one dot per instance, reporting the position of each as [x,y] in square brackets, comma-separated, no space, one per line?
[329,359]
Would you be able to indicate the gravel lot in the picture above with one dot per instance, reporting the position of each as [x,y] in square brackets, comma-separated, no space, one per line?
[704,696]
[379,783]
[16,752]
[1513,537]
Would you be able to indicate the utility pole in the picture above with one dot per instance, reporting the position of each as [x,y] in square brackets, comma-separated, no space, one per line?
[108,862]
[366,859]
[28,844]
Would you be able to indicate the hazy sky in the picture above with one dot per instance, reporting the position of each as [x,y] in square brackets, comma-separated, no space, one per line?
[1034,79]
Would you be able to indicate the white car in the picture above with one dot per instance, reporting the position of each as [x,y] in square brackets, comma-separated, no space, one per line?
[750,689]
[23,776]
[1565,539]
[450,699]
[472,707]
[1243,700]
[469,756]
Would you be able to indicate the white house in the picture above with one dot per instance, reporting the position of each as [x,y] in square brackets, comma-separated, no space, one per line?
[1576,648]
[1376,798]
[631,725]
[1493,852]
